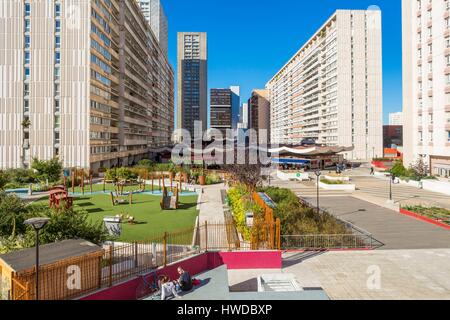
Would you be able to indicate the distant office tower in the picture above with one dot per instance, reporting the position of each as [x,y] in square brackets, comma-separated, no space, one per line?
[154,13]
[243,117]
[426,84]
[221,109]
[235,105]
[259,111]
[396,119]
[96,91]
[331,90]
[192,80]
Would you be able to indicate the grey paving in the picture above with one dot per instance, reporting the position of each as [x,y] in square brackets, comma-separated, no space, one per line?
[394,230]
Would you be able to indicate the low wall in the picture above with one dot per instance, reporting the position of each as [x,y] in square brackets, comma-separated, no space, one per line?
[341,187]
[437,186]
[332,178]
[422,218]
[196,265]
[292,175]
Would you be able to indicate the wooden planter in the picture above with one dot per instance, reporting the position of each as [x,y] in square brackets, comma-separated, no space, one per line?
[202,180]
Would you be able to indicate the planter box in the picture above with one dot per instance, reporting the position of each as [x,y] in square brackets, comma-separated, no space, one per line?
[332,178]
[423,218]
[292,175]
[381,174]
[340,187]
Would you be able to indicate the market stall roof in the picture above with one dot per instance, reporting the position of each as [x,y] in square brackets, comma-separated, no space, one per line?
[310,151]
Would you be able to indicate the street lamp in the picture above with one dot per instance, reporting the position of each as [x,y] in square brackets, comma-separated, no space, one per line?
[38,224]
[391,179]
[318,174]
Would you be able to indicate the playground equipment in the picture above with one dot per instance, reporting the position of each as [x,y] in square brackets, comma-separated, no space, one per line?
[57,195]
[170,202]
[118,199]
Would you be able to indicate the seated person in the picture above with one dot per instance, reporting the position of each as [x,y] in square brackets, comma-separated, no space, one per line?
[185,281]
[168,289]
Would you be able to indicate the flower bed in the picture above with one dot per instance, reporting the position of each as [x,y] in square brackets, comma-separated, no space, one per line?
[434,215]
[336,185]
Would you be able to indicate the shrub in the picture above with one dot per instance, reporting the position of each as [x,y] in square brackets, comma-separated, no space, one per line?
[120,174]
[213,179]
[50,170]
[4,179]
[13,213]
[21,177]
[326,181]
[239,207]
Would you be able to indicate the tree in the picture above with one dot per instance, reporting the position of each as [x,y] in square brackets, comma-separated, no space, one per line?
[47,170]
[399,169]
[4,179]
[13,213]
[419,170]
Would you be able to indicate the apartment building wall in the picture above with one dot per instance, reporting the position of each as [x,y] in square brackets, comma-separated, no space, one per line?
[90,94]
[154,13]
[331,90]
[192,79]
[426,82]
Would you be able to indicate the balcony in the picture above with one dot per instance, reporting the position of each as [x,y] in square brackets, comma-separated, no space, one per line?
[430,93]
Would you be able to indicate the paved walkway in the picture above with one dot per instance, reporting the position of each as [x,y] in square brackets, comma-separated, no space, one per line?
[394,230]
[211,211]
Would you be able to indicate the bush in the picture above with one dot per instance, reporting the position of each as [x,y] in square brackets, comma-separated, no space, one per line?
[120,174]
[13,213]
[239,207]
[50,170]
[297,219]
[21,177]
[399,170]
[4,179]
[213,179]
[326,181]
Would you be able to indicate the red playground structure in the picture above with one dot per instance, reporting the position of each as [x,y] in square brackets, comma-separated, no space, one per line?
[58,194]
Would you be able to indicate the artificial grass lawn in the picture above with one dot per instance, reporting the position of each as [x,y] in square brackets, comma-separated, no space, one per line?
[150,219]
[433,213]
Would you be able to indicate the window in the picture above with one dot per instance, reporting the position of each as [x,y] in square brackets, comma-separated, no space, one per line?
[57,42]
[26,106]
[27,57]
[448,136]
[430,136]
[58,26]
[27,25]
[57,10]
[27,9]
[57,106]
[57,139]
[57,88]
[420,136]
[27,41]
[27,73]
[57,57]
[57,121]
[26,89]
[57,73]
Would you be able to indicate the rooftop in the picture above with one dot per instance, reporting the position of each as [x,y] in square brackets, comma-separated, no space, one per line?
[50,253]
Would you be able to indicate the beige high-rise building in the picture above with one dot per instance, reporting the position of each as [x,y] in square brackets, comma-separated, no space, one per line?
[331,89]
[259,111]
[192,77]
[426,83]
[84,80]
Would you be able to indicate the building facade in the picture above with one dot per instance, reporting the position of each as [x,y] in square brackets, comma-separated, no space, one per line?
[192,78]
[82,80]
[331,90]
[221,109]
[396,119]
[235,105]
[392,137]
[154,13]
[243,117]
[259,111]
[426,83]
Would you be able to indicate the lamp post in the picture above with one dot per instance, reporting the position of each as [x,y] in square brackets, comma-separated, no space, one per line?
[391,178]
[318,174]
[38,224]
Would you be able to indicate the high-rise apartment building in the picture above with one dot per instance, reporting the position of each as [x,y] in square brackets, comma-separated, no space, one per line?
[154,13]
[426,83]
[221,109]
[331,89]
[396,119]
[192,77]
[259,111]
[82,80]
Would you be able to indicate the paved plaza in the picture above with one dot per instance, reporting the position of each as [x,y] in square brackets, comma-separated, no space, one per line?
[363,275]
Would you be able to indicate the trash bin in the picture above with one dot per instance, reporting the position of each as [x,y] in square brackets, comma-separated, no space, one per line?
[113,225]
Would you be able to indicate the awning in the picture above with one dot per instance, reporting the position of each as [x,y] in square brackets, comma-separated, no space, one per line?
[290,161]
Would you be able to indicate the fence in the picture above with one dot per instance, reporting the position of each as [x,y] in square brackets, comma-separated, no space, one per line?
[355,238]
[122,261]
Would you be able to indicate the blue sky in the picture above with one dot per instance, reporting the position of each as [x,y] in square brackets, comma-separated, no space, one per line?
[250,40]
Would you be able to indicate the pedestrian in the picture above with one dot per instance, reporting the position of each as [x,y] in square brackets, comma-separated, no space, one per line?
[372,171]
